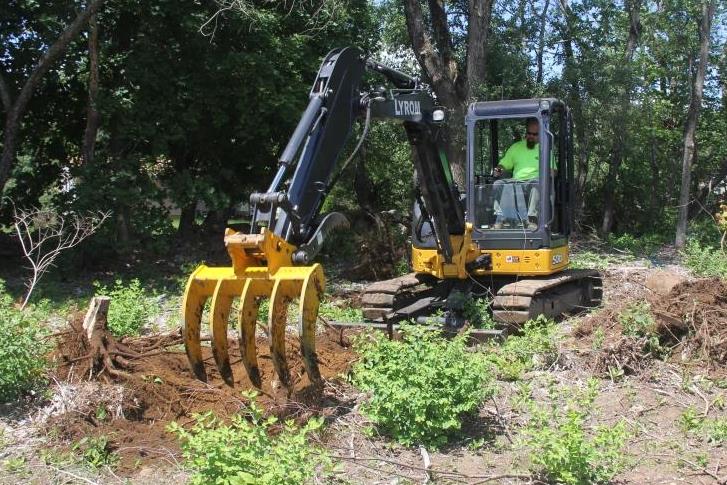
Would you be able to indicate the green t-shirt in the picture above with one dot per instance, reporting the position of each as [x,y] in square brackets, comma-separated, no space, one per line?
[522,161]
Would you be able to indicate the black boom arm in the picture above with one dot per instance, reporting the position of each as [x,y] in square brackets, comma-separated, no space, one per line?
[292,204]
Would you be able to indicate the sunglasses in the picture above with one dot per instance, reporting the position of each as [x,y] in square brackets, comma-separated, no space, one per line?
[531,133]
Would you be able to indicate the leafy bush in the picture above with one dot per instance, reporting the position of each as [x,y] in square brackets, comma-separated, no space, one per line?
[535,348]
[704,260]
[22,347]
[129,309]
[562,449]
[245,452]
[420,386]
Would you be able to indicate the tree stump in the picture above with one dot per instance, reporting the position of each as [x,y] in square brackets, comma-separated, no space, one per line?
[108,356]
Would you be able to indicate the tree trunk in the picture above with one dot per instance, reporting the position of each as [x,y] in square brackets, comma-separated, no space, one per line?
[452,84]
[619,122]
[187,220]
[16,112]
[541,44]
[93,118]
[572,82]
[695,104]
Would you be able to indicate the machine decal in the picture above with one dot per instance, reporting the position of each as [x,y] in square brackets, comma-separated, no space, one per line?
[407,108]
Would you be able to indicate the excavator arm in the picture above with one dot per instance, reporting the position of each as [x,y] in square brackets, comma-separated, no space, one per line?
[288,229]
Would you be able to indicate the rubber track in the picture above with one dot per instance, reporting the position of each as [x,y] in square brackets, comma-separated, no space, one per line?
[382,299]
[552,296]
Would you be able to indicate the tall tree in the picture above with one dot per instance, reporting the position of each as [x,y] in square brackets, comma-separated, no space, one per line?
[453,79]
[15,109]
[704,22]
[626,85]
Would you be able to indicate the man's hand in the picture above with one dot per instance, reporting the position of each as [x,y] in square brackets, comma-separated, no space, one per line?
[497,172]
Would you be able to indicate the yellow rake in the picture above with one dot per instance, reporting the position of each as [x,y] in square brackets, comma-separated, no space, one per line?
[261,268]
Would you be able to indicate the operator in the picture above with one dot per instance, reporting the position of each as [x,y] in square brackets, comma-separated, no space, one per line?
[523,160]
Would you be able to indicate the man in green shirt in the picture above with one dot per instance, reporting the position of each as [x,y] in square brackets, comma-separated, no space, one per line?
[522,159]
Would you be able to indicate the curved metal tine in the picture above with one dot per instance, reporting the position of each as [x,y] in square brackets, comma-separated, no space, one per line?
[225,291]
[195,296]
[310,296]
[283,290]
[252,290]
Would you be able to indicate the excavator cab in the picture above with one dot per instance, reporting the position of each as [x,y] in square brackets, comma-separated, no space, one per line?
[531,213]
[506,211]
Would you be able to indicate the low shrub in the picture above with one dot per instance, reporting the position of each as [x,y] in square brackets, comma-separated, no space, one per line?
[22,347]
[420,386]
[250,450]
[130,308]
[563,449]
[705,260]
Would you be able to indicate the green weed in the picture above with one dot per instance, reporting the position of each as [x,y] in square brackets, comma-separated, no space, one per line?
[421,386]
[535,348]
[96,452]
[561,446]
[22,347]
[477,312]
[713,429]
[637,321]
[130,308]
[246,452]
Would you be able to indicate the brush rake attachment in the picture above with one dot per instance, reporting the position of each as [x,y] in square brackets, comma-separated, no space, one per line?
[261,268]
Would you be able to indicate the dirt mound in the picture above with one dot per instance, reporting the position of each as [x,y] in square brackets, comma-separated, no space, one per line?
[688,323]
[693,316]
[159,388]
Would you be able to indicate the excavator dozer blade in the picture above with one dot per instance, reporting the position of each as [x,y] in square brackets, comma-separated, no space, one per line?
[223,286]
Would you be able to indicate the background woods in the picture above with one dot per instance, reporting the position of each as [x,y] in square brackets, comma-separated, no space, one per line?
[139,107]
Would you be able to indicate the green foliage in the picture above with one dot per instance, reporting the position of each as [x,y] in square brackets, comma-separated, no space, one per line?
[713,429]
[130,307]
[637,321]
[22,347]
[561,445]
[420,386]
[96,452]
[477,312]
[597,259]
[253,450]
[705,260]
[339,311]
[644,244]
[535,348]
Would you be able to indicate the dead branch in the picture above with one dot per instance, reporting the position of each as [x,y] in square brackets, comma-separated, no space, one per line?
[45,233]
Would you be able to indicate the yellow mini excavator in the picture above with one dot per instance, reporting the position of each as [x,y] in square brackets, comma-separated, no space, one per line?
[502,237]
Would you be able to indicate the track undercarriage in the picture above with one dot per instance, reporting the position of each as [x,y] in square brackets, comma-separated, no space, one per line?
[514,301]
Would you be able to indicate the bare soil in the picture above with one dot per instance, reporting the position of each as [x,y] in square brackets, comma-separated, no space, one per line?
[650,396]
[160,388]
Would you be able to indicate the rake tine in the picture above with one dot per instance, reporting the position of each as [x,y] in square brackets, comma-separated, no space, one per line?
[247,318]
[195,297]
[309,302]
[277,321]
[225,291]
